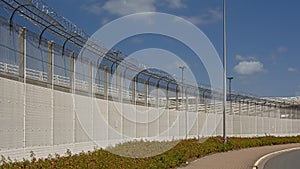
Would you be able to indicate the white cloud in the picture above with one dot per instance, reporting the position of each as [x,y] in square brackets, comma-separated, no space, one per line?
[249,67]
[210,16]
[120,7]
[94,8]
[194,19]
[239,57]
[245,58]
[291,69]
[125,7]
[176,4]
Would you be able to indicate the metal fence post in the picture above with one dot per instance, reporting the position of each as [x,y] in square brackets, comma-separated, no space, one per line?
[146,93]
[72,72]
[90,78]
[269,114]
[50,63]
[248,107]
[177,99]
[167,97]
[22,53]
[72,88]
[22,75]
[157,101]
[133,82]
[186,112]
[50,83]
[120,86]
[196,103]
[204,101]
[106,83]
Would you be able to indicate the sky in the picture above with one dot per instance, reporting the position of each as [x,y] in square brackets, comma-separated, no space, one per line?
[263,37]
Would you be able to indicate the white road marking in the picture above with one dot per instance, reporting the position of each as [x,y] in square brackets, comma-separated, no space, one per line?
[270,154]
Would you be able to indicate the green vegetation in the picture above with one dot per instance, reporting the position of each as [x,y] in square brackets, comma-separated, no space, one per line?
[185,150]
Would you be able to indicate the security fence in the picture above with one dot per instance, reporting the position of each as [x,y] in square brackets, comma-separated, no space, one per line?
[53,98]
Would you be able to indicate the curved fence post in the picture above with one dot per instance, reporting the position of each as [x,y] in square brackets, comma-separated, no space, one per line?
[72,71]
[146,93]
[105,82]
[133,82]
[50,62]
[22,53]
[177,108]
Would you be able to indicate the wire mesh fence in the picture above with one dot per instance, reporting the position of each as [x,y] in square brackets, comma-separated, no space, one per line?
[45,88]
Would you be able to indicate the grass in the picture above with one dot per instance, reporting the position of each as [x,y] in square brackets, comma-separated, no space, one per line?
[185,150]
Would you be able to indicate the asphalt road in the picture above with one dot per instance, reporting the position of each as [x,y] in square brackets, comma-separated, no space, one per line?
[237,159]
[288,160]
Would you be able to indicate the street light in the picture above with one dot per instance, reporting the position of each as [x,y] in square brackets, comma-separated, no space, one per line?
[182,70]
[230,78]
[224,71]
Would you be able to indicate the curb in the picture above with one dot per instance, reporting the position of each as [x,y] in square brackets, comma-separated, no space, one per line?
[265,157]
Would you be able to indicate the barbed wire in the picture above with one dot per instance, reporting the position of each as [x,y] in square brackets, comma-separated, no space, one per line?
[44,16]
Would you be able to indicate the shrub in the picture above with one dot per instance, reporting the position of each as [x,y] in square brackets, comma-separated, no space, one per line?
[184,151]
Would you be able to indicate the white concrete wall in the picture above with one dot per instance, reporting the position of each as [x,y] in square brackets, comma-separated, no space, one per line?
[45,121]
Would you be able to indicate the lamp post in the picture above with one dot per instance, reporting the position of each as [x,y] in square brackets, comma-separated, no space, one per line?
[182,92]
[230,78]
[224,71]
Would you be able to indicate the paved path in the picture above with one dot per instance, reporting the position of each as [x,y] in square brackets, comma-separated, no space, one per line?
[239,159]
[288,160]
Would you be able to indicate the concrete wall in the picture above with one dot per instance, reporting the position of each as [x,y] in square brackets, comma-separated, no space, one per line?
[46,121]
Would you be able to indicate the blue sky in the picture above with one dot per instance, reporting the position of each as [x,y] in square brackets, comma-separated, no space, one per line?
[263,36]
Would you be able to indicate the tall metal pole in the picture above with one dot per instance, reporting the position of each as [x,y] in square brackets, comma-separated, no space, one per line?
[224,71]
[182,93]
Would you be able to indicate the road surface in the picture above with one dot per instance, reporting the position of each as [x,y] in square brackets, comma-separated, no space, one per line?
[239,159]
[287,160]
